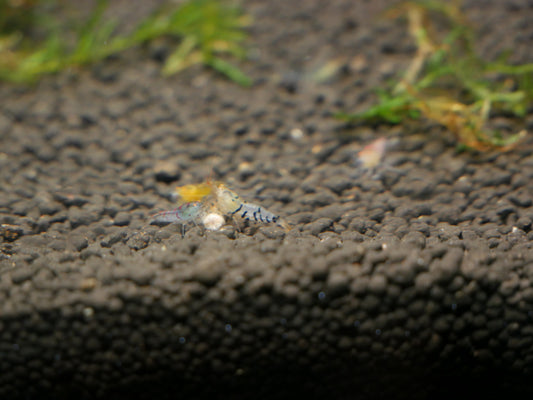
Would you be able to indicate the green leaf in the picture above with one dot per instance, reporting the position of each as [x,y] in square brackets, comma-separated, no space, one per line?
[178,60]
[206,29]
[232,72]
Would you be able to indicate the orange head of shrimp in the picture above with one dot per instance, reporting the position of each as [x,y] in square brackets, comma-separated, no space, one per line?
[194,192]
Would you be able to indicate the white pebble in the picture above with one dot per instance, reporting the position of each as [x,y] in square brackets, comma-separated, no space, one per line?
[296,133]
[213,222]
[88,312]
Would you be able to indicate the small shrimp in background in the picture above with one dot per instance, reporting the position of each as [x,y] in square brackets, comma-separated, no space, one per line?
[371,156]
[372,160]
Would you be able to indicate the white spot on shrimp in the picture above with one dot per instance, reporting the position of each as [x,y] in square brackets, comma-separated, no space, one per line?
[321,296]
[228,328]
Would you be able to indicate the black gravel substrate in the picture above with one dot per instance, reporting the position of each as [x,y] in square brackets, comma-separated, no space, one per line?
[411,281]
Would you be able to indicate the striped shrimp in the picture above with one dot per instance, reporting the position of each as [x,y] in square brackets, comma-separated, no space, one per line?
[251,211]
[183,214]
[210,203]
[230,203]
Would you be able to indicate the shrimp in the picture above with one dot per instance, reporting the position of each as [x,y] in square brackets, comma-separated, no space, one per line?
[254,211]
[183,214]
[210,202]
[251,211]
[226,200]
[194,192]
[370,157]
[214,195]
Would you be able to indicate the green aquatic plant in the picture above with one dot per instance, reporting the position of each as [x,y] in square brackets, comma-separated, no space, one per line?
[207,31]
[207,28]
[449,83]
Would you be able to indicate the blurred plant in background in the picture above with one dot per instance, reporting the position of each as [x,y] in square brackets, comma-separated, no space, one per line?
[449,83]
[207,31]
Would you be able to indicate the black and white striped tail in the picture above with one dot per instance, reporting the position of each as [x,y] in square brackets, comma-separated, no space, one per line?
[251,211]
